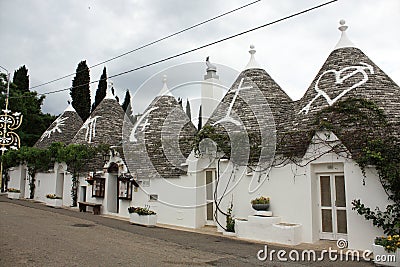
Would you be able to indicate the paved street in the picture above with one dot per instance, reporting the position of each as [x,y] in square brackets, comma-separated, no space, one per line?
[32,234]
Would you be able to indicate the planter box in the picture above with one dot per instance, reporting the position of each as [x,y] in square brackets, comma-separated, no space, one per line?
[55,203]
[13,195]
[384,258]
[146,220]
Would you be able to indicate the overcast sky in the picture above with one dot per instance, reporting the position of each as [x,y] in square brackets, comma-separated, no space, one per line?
[51,37]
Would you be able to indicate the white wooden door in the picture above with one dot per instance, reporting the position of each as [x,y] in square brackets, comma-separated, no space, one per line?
[332,206]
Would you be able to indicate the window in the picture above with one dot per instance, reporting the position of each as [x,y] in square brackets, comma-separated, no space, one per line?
[124,188]
[98,188]
[153,197]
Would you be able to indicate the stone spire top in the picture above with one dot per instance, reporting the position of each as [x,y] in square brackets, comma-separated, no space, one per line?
[165,90]
[70,108]
[344,40]
[253,64]
[109,94]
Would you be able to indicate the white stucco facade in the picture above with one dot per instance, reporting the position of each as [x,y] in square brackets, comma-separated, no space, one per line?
[294,191]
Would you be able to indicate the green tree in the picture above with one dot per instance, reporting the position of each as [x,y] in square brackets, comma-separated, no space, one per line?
[35,159]
[200,122]
[29,104]
[127,102]
[76,157]
[188,111]
[21,79]
[113,93]
[101,89]
[80,91]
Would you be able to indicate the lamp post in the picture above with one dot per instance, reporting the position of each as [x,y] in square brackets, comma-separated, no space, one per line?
[8,123]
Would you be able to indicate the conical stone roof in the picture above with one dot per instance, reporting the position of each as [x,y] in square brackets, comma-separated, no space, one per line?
[346,74]
[160,141]
[104,125]
[63,129]
[349,73]
[255,111]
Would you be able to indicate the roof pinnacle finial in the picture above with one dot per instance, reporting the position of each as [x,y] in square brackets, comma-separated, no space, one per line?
[70,107]
[211,70]
[344,41]
[252,63]
[109,94]
[164,89]
[343,27]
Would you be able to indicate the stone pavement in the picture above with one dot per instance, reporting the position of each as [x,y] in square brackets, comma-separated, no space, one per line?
[32,234]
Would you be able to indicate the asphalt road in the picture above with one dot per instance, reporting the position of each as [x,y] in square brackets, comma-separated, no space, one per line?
[32,234]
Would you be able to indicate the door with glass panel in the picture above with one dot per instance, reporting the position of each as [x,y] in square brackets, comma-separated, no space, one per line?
[210,196]
[332,206]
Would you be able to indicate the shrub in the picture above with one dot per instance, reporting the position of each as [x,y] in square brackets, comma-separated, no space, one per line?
[53,196]
[13,190]
[141,211]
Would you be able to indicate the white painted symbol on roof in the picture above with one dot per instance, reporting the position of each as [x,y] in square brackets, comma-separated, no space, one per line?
[339,80]
[90,126]
[228,117]
[133,138]
[59,122]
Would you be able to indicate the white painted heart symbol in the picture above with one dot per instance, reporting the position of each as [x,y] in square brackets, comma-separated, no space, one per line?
[362,68]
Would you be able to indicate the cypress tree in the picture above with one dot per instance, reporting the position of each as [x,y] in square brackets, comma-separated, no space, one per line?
[126,106]
[200,122]
[21,79]
[188,112]
[101,89]
[80,91]
[127,102]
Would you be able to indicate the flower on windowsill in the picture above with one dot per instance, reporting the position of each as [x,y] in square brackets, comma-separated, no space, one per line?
[260,200]
[390,243]
[141,211]
[53,196]
[13,190]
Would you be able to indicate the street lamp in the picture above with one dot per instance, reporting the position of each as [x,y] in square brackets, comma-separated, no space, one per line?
[8,123]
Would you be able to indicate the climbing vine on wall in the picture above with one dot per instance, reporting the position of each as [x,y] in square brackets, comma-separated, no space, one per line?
[246,146]
[40,160]
[365,136]
[371,140]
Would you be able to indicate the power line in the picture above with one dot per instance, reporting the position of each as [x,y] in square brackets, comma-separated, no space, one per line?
[151,43]
[198,48]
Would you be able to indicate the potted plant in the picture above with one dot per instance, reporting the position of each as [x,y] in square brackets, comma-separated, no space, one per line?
[142,216]
[13,193]
[230,222]
[52,200]
[387,250]
[260,203]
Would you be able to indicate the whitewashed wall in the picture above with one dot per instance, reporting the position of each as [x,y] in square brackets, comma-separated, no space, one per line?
[17,179]
[361,232]
[289,192]
[294,194]
[178,201]
[45,184]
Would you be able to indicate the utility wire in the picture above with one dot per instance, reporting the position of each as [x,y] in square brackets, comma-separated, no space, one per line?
[151,43]
[198,48]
